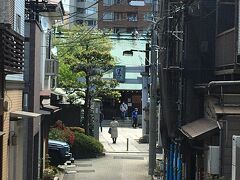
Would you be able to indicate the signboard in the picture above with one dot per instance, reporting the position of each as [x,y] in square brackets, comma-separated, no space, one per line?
[119,73]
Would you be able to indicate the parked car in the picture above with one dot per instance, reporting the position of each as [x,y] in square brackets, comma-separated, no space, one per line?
[59,152]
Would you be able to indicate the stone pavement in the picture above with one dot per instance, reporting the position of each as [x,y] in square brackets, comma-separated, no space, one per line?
[131,134]
[113,166]
[118,163]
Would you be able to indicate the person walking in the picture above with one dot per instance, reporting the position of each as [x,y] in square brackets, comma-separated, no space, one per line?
[135,117]
[101,119]
[123,109]
[114,130]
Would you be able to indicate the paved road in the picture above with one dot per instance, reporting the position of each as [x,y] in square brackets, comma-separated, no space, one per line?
[118,163]
[114,166]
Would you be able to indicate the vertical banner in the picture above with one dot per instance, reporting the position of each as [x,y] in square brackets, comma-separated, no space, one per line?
[119,73]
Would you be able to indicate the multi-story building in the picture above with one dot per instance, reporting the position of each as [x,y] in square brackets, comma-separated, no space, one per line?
[121,17]
[11,75]
[83,11]
[199,88]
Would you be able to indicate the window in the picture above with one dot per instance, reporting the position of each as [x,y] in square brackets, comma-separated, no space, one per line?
[18,23]
[148,16]
[108,16]
[118,16]
[132,16]
[81,10]
[148,1]
[117,1]
[91,10]
[91,23]
[108,2]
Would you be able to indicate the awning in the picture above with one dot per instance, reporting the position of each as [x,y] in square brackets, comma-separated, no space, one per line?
[231,110]
[18,115]
[50,108]
[198,127]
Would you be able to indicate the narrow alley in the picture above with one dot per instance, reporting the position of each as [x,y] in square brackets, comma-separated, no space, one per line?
[118,163]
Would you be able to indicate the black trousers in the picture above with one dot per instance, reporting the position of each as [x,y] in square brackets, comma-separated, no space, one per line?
[114,140]
[134,122]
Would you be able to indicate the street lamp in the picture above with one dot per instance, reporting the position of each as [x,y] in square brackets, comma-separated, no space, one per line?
[153,92]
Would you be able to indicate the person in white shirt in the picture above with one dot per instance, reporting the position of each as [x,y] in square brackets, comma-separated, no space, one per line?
[123,109]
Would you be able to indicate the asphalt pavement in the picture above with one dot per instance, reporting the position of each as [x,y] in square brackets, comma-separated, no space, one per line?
[125,160]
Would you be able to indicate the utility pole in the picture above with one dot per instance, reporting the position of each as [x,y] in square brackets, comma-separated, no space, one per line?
[153,95]
[145,77]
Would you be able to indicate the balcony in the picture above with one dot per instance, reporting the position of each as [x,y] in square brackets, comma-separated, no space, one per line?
[12,50]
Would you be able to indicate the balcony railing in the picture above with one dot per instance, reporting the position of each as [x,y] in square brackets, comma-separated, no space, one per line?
[12,50]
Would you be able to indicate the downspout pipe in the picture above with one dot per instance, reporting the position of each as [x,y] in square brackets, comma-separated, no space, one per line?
[221,147]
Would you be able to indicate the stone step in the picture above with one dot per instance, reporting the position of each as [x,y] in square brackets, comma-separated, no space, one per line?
[122,123]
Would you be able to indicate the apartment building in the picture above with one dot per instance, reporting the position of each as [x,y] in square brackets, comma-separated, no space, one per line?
[83,12]
[124,16]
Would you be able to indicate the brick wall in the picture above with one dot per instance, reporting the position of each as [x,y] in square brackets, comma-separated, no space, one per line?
[14,98]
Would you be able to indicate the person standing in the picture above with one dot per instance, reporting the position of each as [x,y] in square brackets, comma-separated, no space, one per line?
[123,109]
[114,130]
[135,117]
[101,119]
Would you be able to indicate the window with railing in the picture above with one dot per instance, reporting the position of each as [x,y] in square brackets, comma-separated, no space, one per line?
[119,16]
[132,16]
[81,10]
[91,23]
[91,10]
[148,16]
[108,16]
[108,2]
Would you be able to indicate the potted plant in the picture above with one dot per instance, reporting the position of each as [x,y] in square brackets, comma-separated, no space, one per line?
[48,174]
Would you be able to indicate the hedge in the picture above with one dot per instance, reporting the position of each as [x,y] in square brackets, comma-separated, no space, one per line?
[86,146]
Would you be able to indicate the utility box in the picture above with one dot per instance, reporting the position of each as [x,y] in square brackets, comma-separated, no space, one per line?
[235,157]
[213,159]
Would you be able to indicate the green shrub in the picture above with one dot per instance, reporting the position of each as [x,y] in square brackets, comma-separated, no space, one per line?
[86,146]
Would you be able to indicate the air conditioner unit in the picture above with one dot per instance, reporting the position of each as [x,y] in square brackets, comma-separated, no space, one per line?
[213,160]
[51,67]
[235,157]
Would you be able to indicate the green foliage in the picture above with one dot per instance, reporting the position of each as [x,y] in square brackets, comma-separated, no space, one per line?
[86,146]
[84,58]
[84,54]
[82,145]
